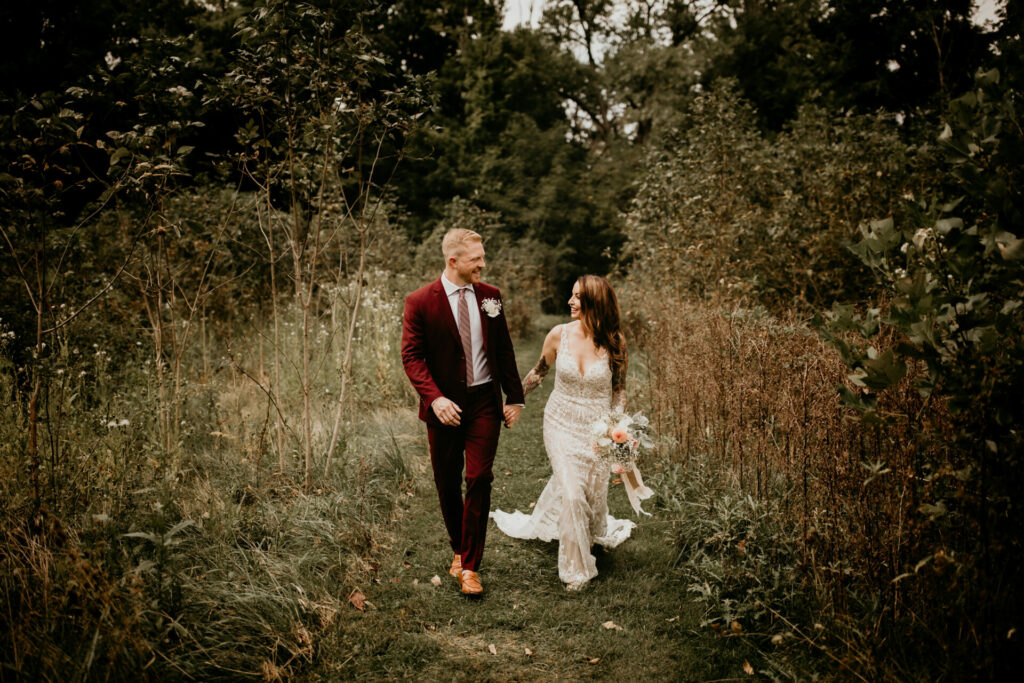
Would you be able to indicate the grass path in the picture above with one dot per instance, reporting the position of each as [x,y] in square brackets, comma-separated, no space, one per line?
[414,629]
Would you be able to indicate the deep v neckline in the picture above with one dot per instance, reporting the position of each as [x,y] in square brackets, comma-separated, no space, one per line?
[576,360]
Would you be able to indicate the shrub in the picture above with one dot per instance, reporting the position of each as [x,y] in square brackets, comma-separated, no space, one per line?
[955,275]
[725,210]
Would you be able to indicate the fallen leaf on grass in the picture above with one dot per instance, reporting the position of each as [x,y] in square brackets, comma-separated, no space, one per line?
[529,652]
[532,504]
[415,582]
[749,670]
[595,660]
[493,650]
[436,580]
[736,627]
[616,481]
[672,619]
[611,625]
[357,599]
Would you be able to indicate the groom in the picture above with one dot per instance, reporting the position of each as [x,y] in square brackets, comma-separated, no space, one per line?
[458,354]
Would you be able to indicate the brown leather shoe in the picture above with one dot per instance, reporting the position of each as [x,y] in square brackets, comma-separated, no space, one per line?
[470,583]
[456,569]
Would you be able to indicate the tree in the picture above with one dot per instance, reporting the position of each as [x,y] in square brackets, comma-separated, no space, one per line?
[326,129]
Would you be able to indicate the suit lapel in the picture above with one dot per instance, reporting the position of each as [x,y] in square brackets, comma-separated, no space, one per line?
[445,307]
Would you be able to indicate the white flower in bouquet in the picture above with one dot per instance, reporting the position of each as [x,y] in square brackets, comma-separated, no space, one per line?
[620,437]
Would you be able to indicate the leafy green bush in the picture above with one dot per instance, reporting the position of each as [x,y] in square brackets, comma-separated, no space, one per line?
[727,211]
[954,276]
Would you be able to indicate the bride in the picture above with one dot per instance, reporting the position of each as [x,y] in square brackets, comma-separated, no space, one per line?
[590,361]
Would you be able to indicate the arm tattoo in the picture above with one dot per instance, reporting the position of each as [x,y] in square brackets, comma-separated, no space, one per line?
[535,376]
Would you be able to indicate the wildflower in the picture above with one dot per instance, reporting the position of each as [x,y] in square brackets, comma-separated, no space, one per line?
[920,236]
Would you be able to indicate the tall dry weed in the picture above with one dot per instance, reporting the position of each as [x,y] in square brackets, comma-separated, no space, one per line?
[750,398]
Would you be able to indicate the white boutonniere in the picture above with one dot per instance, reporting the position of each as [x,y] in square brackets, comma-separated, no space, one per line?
[492,307]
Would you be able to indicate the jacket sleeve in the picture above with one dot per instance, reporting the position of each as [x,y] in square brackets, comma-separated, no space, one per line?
[508,371]
[414,357]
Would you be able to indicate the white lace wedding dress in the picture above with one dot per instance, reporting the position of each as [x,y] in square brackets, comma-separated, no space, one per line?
[573,507]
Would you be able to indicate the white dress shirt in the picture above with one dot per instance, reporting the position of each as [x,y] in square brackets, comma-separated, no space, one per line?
[481,371]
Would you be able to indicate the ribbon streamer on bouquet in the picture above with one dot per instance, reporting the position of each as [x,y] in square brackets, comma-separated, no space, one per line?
[635,489]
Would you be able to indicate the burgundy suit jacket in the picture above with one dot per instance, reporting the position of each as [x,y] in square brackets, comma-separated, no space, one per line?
[432,349]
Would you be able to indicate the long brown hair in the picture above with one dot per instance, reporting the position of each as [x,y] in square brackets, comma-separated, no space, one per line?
[600,316]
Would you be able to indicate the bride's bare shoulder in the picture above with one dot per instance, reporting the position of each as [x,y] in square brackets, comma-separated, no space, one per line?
[553,340]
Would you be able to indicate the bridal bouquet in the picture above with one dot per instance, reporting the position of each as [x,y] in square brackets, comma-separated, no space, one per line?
[619,437]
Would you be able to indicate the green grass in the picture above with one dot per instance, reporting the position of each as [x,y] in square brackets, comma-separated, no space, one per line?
[413,629]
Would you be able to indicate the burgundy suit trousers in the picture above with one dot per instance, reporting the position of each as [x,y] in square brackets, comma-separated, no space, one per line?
[472,444]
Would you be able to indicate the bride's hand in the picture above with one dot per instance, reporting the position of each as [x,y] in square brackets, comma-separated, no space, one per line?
[511,414]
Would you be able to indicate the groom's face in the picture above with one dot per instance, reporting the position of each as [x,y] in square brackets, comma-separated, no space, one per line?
[470,264]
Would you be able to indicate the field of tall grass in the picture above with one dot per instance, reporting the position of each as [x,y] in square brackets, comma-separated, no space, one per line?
[803,530]
[122,558]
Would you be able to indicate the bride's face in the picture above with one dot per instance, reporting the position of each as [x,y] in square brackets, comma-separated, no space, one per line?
[574,302]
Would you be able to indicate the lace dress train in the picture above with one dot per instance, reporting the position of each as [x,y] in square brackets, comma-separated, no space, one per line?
[573,507]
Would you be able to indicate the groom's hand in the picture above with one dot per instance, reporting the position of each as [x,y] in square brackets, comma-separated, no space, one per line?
[447,411]
[511,414]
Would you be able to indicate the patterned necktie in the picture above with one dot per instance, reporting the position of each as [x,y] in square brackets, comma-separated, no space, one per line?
[467,340]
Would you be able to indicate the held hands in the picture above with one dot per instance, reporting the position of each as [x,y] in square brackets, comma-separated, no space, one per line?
[447,411]
[511,414]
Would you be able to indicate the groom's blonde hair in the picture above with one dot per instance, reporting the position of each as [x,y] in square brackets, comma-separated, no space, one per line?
[456,240]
